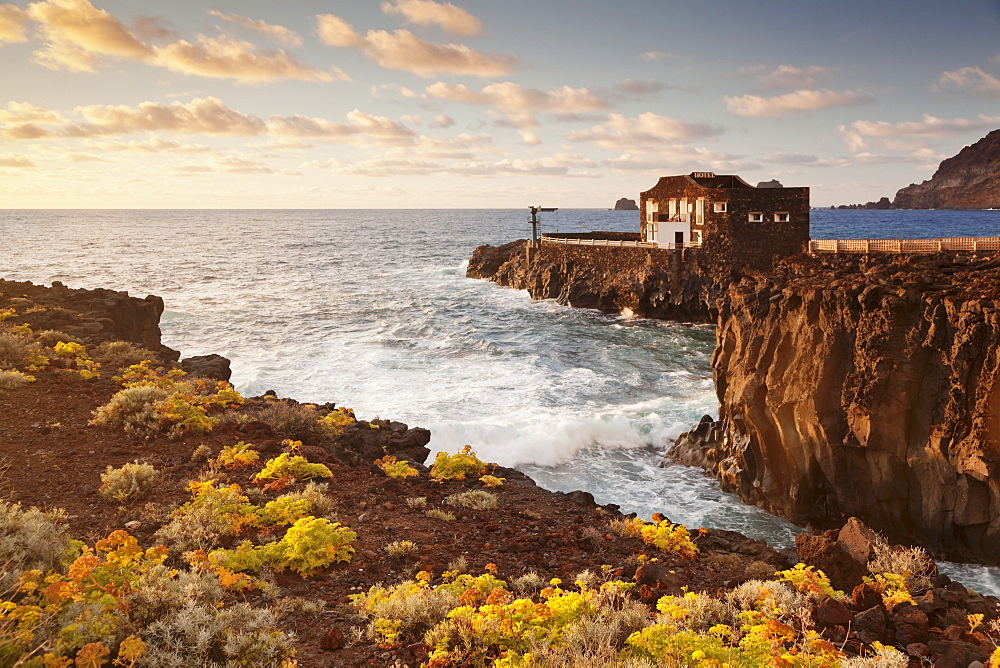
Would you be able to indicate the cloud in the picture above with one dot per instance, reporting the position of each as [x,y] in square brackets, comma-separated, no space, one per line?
[653,56]
[12,23]
[968,81]
[275,32]
[640,87]
[201,116]
[646,132]
[16,161]
[680,158]
[804,160]
[561,164]
[154,28]
[228,58]
[801,101]
[518,102]
[78,37]
[452,19]
[22,112]
[151,145]
[787,77]
[858,133]
[529,138]
[443,121]
[402,50]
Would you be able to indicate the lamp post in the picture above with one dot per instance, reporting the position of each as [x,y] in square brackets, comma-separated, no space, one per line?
[535,210]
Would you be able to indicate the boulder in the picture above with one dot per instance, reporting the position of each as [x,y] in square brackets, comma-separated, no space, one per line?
[215,367]
[828,555]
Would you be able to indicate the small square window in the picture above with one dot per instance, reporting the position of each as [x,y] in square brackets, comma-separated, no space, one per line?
[756,217]
[782,217]
[719,207]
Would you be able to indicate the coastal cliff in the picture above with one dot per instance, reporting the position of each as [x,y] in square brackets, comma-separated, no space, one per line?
[867,387]
[648,282]
[969,180]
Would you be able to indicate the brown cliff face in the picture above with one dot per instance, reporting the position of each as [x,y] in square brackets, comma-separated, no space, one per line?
[95,315]
[866,387]
[969,180]
[649,282]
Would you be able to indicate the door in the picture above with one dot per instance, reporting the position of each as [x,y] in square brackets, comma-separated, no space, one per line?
[678,240]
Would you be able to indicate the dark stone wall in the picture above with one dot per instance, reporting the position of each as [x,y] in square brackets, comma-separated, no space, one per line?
[615,236]
[729,238]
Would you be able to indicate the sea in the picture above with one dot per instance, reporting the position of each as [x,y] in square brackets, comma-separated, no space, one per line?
[371,309]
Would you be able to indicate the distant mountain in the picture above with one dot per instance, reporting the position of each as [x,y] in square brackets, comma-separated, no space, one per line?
[970,180]
[625,204]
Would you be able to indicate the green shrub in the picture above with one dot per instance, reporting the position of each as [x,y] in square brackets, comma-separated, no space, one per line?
[476,499]
[237,456]
[289,420]
[30,539]
[400,549]
[133,410]
[50,337]
[128,483]
[321,504]
[309,545]
[11,380]
[117,355]
[438,514]
[14,350]
[211,514]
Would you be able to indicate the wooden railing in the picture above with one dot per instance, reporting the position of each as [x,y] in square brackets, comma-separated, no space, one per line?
[904,245]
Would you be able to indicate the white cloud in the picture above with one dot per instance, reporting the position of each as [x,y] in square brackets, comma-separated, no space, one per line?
[653,56]
[680,158]
[800,101]
[452,19]
[201,116]
[646,132]
[529,138]
[519,102]
[858,133]
[402,50]
[968,81]
[443,121]
[12,23]
[787,77]
[16,161]
[275,32]
[78,37]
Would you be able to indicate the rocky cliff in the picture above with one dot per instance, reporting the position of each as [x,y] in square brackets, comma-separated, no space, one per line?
[969,180]
[90,315]
[649,282]
[867,387]
[626,204]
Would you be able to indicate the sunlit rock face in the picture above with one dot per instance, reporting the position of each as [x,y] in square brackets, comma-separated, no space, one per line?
[969,180]
[865,387]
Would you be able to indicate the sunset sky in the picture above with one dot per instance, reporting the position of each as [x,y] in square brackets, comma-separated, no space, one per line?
[480,104]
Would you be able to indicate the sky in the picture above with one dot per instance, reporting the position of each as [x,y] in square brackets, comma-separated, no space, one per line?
[375,104]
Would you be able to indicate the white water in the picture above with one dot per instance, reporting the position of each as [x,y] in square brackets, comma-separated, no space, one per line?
[371,309]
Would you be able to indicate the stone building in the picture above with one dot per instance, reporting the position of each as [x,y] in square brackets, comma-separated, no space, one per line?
[727,217]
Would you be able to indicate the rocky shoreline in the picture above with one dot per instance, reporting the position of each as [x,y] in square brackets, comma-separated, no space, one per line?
[848,385]
[54,458]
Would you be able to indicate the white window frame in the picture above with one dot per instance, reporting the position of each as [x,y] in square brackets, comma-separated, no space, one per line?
[782,217]
[720,207]
[756,217]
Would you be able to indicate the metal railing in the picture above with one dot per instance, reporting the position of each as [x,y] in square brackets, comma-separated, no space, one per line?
[617,243]
[904,245]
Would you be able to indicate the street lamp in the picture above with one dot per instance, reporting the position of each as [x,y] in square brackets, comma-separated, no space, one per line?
[535,210]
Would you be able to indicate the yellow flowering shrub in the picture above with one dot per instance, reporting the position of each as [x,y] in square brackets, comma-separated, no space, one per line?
[395,468]
[237,456]
[76,355]
[492,481]
[457,466]
[811,581]
[333,423]
[292,466]
[668,537]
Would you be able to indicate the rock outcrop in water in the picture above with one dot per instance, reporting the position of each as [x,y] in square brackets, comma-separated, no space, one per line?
[626,204]
[864,387]
[969,180]
[649,282]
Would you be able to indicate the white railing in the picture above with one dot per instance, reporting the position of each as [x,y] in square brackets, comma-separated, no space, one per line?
[618,243]
[904,245]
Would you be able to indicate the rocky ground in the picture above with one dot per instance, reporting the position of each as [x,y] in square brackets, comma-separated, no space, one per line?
[51,457]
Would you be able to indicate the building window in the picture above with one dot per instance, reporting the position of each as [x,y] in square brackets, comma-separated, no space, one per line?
[696,238]
[756,217]
[782,217]
[719,207]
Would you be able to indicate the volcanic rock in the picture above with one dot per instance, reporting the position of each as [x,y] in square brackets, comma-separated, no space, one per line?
[625,204]
[969,180]
[215,367]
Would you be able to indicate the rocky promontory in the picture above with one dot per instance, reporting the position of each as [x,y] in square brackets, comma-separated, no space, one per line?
[969,180]
[865,386]
[626,204]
